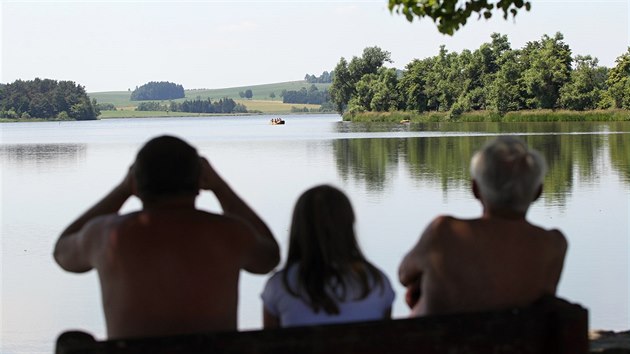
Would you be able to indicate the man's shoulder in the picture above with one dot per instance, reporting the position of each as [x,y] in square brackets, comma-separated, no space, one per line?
[555,238]
[444,225]
[550,235]
[443,229]
[106,221]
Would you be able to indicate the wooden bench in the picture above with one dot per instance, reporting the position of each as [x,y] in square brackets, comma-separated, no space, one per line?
[551,326]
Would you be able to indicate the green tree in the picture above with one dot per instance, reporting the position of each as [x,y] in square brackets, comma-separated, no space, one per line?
[548,68]
[162,90]
[45,98]
[82,110]
[376,92]
[385,91]
[249,94]
[412,85]
[587,83]
[272,95]
[449,15]
[342,86]
[619,82]
[504,93]
[364,92]
[369,62]
[443,85]
[347,75]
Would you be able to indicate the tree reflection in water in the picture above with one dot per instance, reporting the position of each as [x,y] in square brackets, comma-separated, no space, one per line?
[574,152]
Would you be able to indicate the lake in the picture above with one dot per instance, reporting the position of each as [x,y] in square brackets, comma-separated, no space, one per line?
[398,178]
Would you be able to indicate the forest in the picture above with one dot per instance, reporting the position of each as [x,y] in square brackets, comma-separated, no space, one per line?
[46,99]
[324,78]
[162,90]
[543,74]
[312,95]
[198,105]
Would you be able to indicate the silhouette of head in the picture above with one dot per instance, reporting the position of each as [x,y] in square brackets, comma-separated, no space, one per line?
[323,227]
[508,174]
[166,167]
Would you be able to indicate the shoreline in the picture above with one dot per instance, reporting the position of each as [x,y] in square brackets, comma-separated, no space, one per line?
[601,341]
[160,114]
[616,115]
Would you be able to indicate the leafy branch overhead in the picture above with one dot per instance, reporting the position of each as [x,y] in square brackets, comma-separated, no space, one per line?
[450,15]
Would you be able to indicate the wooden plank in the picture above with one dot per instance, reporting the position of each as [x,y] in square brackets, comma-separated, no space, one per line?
[552,326]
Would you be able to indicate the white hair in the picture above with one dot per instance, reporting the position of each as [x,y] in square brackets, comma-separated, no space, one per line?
[508,173]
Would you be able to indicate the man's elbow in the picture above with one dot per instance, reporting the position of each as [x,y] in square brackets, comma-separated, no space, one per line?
[67,262]
[272,261]
[266,261]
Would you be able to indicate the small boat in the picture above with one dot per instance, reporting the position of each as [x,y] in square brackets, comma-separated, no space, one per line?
[277,121]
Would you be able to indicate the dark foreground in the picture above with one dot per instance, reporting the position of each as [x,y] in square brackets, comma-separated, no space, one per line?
[551,326]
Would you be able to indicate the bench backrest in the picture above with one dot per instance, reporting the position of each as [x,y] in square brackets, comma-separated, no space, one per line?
[552,326]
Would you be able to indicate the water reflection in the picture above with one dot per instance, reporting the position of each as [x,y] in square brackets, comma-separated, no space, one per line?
[42,154]
[619,145]
[572,155]
[486,127]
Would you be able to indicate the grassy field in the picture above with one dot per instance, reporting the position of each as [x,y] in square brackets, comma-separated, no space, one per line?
[261,92]
[143,114]
[269,107]
[117,98]
[488,116]
[273,106]
[260,102]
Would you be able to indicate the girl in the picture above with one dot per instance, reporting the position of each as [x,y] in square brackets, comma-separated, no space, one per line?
[326,278]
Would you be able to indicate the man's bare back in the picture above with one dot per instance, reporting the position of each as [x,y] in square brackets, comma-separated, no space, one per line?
[483,264]
[499,260]
[169,268]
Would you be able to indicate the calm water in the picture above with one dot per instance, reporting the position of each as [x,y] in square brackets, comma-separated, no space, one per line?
[398,178]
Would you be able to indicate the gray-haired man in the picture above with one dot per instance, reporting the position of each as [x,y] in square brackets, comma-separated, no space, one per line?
[498,260]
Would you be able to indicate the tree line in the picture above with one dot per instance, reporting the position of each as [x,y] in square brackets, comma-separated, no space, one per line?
[311,96]
[47,99]
[325,78]
[246,94]
[198,105]
[162,90]
[542,74]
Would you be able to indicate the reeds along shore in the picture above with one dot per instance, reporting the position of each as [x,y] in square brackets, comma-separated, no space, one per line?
[616,115]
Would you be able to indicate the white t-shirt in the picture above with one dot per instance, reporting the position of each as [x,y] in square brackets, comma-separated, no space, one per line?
[293,311]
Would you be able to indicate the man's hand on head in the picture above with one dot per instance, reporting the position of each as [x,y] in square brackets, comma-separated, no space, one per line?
[127,185]
[209,179]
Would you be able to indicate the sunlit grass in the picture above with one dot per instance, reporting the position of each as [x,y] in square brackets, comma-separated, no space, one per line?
[273,106]
[144,114]
[260,102]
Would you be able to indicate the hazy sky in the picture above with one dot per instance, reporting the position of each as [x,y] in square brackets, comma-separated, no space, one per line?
[116,45]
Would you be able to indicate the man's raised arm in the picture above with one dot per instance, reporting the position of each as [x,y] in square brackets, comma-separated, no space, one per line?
[266,254]
[76,244]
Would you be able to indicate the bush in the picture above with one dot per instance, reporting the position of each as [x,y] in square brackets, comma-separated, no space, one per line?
[106,107]
[299,110]
[11,114]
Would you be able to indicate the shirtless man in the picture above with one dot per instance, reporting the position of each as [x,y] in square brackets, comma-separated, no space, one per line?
[497,261]
[169,268]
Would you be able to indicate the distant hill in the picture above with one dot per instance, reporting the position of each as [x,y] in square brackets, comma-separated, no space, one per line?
[261,92]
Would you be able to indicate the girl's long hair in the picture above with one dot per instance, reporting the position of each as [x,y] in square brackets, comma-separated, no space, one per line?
[323,247]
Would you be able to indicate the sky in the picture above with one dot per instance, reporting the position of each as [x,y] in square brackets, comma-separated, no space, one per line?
[118,45]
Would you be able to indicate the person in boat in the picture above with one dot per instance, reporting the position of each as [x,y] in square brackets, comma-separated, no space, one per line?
[498,260]
[326,278]
[169,268]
